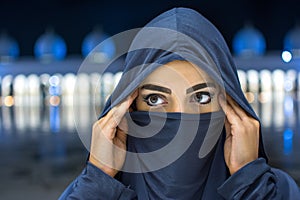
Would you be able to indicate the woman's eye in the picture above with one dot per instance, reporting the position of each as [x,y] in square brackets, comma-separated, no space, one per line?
[154,100]
[202,97]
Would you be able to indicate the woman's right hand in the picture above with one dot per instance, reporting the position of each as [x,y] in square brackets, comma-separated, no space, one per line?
[108,146]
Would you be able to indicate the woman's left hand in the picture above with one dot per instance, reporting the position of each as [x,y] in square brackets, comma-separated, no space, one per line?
[242,135]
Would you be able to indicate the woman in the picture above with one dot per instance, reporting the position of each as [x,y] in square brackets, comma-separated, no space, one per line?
[178,126]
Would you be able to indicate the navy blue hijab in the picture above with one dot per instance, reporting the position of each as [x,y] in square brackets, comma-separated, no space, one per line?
[180,34]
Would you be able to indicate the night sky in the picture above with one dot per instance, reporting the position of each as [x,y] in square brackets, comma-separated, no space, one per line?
[73,19]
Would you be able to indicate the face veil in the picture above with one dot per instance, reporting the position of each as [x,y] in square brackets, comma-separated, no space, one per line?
[169,161]
[178,34]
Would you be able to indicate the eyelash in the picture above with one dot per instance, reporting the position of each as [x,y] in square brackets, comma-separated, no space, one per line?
[209,94]
[146,98]
[193,97]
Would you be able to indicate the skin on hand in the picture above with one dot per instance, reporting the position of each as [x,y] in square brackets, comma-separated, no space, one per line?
[242,135]
[108,147]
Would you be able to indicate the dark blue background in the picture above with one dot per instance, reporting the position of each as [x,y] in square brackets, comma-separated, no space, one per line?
[73,19]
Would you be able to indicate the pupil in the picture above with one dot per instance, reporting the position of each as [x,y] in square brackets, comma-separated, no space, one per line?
[153,99]
[198,96]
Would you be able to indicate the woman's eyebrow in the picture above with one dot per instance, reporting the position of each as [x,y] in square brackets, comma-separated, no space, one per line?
[199,86]
[156,88]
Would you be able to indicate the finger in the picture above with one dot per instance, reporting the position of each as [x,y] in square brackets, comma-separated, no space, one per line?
[108,124]
[120,110]
[122,135]
[231,115]
[101,129]
[237,108]
[115,115]
[124,106]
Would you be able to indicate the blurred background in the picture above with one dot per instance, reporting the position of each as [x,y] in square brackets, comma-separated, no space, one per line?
[43,45]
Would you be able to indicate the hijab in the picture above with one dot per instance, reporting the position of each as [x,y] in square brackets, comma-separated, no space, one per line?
[177,34]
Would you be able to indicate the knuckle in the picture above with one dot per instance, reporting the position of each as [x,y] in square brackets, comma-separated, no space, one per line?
[255,123]
[95,125]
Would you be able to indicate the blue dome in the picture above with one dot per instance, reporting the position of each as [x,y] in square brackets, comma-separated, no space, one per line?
[9,47]
[292,39]
[249,42]
[91,44]
[50,46]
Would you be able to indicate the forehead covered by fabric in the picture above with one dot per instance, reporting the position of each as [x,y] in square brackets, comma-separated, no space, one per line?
[179,34]
[145,56]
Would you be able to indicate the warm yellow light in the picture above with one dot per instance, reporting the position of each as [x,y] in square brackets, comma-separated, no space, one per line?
[54,100]
[9,101]
[264,97]
[250,97]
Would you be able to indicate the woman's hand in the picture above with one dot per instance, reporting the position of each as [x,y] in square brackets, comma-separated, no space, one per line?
[242,135]
[108,146]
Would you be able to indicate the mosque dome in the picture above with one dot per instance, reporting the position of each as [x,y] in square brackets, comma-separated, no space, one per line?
[9,48]
[99,44]
[50,46]
[249,41]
